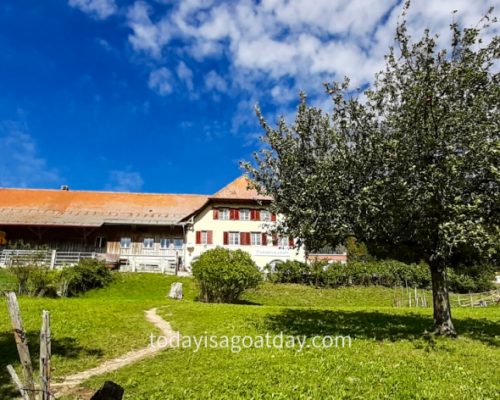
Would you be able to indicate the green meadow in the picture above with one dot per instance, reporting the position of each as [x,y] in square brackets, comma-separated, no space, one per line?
[391,355]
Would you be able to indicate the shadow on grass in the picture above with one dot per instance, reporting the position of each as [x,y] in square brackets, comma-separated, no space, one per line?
[374,325]
[65,347]
[239,301]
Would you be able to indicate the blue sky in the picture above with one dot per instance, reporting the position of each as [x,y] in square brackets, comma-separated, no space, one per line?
[158,96]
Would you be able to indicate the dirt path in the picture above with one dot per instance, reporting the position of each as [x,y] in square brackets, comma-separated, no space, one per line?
[71,381]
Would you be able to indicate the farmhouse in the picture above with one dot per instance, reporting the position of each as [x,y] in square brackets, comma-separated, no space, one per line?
[140,232]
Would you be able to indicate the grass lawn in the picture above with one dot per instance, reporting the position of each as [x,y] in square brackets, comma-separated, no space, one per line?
[390,357]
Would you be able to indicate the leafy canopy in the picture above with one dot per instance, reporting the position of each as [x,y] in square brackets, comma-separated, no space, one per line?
[415,159]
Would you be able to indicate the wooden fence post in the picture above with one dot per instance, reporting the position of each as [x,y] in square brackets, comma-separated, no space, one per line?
[53,258]
[45,353]
[22,344]
[17,382]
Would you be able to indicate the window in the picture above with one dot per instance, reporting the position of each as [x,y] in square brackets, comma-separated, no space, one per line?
[171,243]
[234,238]
[204,237]
[148,243]
[283,242]
[265,215]
[125,242]
[256,239]
[100,242]
[165,243]
[245,214]
[224,213]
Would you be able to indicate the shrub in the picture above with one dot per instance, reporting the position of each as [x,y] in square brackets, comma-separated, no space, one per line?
[289,272]
[87,274]
[35,280]
[42,281]
[32,276]
[385,273]
[478,278]
[223,275]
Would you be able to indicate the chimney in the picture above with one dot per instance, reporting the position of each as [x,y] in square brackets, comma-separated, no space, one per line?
[65,187]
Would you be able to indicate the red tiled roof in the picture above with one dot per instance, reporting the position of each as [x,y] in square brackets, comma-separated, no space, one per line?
[239,190]
[81,208]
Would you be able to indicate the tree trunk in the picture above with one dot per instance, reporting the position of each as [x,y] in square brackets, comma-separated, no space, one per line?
[441,301]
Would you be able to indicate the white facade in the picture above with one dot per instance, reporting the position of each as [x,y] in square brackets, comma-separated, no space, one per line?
[214,228]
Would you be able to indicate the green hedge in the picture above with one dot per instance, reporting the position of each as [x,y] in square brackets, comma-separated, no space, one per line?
[388,273]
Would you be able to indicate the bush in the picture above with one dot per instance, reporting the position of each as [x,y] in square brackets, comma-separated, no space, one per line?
[299,272]
[35,280]
[289,272]
[474,279]
[32,276]
[223,275]
[87,274]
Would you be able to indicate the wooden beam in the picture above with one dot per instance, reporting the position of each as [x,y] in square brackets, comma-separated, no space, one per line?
[17,382]
[45,354]
[21,343]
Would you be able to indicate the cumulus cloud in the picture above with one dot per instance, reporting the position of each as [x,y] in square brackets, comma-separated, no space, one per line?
[21,165]
[161,81]
[302,42]
[269,50]
[147,36]
[124,181]
[100,9]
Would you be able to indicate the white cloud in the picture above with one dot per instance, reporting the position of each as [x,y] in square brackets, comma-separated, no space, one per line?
[124,181]
[185,75]
[161,81]
[301,42]
[20,162]
[100,9]
[269,50]
[215,82]
[147,36]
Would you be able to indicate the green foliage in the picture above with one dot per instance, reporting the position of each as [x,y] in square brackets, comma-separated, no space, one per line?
[385,273]
[289,272]
[478,278]
[415,162]
[223,275]
[86,275]
[389,273]
[356,251]
[32,276]
[7,280]
[34,280]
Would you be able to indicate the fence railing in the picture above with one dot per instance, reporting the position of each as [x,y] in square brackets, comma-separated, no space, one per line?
[164,263]
[483,299]
[49,258]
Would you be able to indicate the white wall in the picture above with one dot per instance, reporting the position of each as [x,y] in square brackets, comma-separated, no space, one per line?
[262,255]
